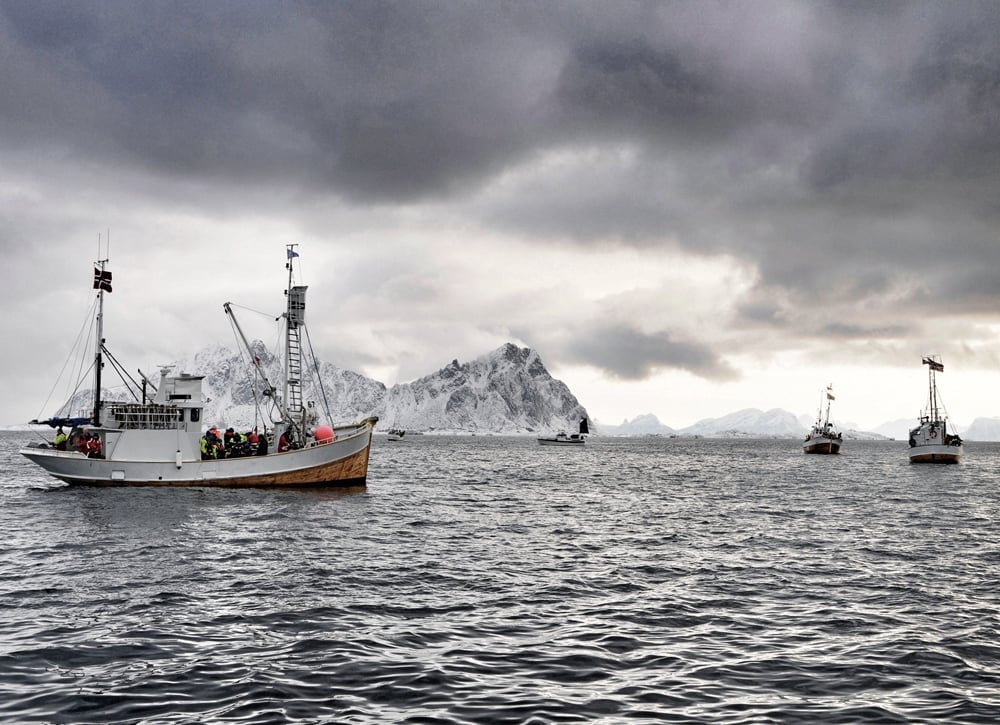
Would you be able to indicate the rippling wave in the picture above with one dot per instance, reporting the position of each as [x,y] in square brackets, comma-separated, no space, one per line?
[491,579]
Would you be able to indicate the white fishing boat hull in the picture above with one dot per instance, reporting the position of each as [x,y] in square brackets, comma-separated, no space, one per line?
[931,443]
[342,462]
[935,453]
[822,444]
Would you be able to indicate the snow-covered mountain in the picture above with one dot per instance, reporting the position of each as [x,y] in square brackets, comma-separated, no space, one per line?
[505,391]
[774,423]
[641,425]
[230,388]
[897,429]
[983,429]
[748,423]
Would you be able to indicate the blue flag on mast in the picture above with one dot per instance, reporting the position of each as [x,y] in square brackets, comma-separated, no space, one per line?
[292,253]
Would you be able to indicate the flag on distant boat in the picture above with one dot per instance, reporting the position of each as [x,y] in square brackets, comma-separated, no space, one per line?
[102,279]
[292,253]
[829,395]
[935,365]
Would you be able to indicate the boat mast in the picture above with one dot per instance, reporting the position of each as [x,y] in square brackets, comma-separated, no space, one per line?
[269,391]
[829,397]
[99,282]
[932,382]
[933,366]
[294,320]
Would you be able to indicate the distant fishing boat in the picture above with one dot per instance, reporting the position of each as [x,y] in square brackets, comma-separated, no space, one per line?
[823,437]
[567,439]
[930,441]
[396,434]
[159,441]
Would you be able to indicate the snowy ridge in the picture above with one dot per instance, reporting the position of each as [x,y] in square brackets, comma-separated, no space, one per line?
[229,384]
[748,423]
[641,425]
[505,391]
[982,429]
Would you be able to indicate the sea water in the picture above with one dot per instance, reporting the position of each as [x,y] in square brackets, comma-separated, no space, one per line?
[489,579]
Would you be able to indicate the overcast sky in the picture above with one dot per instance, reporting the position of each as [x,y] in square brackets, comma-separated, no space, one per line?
[686,208]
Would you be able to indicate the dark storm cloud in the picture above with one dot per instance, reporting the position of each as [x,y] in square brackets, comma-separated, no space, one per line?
[382,102]
[846,152]
[630,354]
[938,115]
[633,86]
[371,101]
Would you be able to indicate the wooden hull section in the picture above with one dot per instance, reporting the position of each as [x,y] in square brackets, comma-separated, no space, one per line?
[821,445]
[341,463]
[936,454]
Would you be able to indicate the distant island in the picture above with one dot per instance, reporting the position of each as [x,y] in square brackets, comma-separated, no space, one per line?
[778,423]
[746,423]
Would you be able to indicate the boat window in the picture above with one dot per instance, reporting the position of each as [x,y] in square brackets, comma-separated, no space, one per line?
[195,415]
[150,416]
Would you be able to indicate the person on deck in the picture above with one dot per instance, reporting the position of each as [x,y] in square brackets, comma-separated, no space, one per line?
[218,447]
[216,439]
[60,441]
[238,446]
[94,447]
[282,444]
[262,444]
[207,448]
[82,444]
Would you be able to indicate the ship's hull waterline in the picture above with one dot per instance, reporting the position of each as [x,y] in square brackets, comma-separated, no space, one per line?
[340,463]
[821,445]
[936,453]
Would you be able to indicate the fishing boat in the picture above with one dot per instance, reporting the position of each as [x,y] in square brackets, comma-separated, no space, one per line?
[396,434]
[823,437]
[930,441]
[158,440]
[562,438]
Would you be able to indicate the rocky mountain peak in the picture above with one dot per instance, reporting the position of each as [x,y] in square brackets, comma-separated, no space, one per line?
[505,391]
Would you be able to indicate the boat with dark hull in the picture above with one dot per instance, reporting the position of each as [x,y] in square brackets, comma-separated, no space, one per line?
[160,441]
[823,437]
[562,438]
[930,441]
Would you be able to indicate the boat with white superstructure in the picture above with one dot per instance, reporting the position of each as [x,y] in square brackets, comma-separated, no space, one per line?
[159,440]
[823,437]
[930,441]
